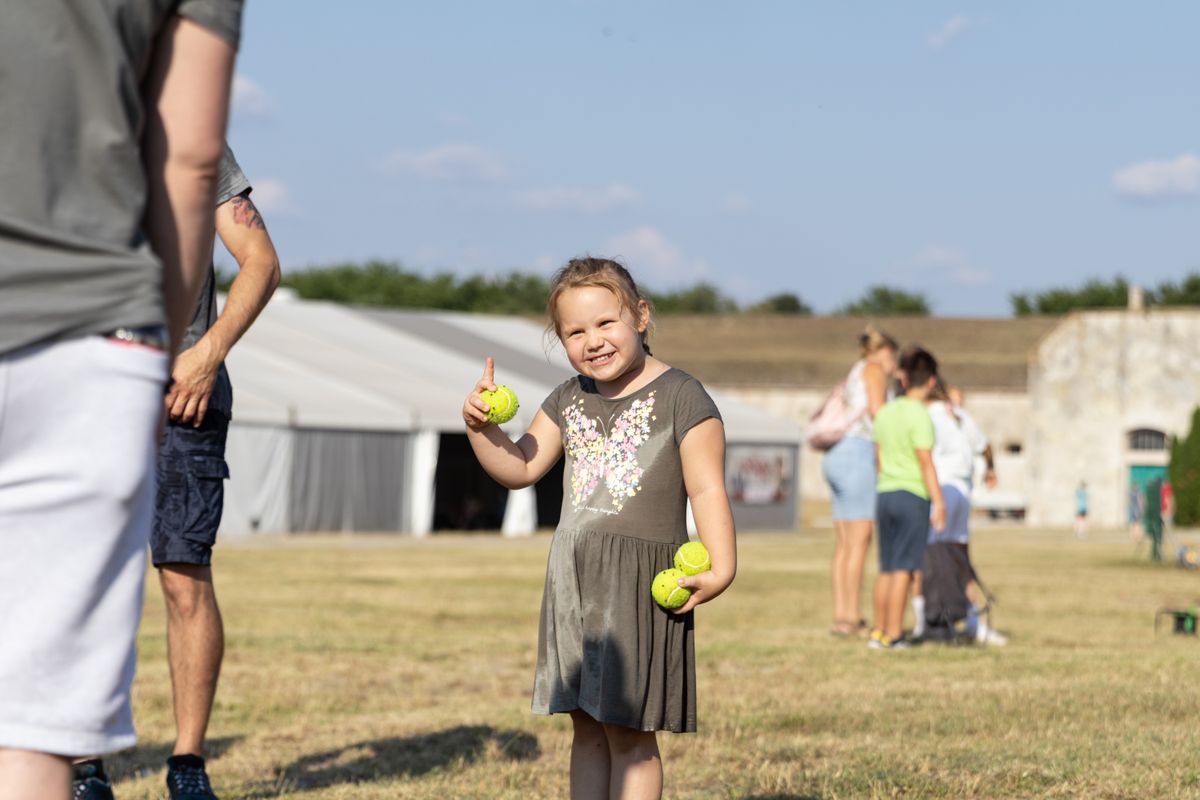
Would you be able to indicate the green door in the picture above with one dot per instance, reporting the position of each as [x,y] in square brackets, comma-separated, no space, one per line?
[1139,476]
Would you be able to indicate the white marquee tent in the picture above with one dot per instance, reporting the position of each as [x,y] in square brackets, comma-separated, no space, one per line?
[350,419]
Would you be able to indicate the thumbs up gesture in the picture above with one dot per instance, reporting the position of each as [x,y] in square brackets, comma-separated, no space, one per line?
[475,411]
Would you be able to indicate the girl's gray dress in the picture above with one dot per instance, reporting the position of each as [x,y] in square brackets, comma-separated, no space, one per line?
[604,645]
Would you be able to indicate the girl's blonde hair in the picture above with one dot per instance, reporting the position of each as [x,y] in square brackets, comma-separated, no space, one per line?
[607,274]
[872,340]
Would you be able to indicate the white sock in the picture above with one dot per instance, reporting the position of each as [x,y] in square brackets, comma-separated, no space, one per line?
[918,606]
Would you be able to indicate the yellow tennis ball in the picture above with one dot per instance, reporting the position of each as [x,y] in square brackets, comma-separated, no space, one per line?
[502,404]
[692,559]
[667,591]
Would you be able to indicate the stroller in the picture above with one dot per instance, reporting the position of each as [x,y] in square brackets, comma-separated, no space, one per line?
[947,571]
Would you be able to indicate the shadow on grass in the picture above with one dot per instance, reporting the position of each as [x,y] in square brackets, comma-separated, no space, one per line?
[150,758]
[409,756]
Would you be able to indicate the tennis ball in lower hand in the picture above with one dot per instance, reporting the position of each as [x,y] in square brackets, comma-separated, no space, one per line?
[667,591]
[502,404]
[692,559]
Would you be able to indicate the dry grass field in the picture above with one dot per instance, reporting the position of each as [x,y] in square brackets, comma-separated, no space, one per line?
[382,667]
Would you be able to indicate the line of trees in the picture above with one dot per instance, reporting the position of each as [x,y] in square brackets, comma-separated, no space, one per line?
[1105,294]
[380,283]
[383,283]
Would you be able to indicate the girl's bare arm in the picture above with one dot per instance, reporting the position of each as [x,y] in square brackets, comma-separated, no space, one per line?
[513,465]
[702,453]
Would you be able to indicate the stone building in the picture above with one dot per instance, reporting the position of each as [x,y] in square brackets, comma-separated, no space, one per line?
[1107,390]
[1092,396]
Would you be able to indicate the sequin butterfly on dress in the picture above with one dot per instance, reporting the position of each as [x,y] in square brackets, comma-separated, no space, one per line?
[598,454]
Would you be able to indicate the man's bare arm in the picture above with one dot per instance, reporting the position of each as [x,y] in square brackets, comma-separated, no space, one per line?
[243,232]
[187,103]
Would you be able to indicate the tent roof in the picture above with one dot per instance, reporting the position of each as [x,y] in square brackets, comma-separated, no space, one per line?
[322,365]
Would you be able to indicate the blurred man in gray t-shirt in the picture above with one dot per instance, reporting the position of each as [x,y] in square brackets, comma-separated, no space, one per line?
[113,118]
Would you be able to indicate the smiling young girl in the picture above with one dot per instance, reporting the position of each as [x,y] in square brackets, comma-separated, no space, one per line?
[640,439]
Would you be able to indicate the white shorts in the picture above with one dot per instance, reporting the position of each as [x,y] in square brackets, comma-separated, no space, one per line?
[78,424]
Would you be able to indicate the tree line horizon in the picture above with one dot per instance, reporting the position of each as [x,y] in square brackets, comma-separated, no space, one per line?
[388,284]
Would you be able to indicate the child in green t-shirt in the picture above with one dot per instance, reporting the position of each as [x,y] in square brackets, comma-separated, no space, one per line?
[909,495]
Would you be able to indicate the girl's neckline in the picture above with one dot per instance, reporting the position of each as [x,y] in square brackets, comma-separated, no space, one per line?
[586,381]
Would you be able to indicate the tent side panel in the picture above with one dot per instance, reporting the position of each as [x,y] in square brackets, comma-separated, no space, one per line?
[260,467]
[348,481]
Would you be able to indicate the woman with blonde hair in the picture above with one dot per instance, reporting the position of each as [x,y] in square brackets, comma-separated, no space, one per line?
[849,468]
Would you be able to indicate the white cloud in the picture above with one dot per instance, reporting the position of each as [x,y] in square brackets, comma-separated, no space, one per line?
[735,203]
[647,251]
[249,99]
[450,162]
[952,265]
[272,198]
[561,198]
[951,30]
[1151,179]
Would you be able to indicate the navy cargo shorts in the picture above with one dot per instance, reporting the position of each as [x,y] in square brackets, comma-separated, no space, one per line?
[191,474]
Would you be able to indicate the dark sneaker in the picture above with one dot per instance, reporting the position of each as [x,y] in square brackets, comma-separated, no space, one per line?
[187,780]
[88,781]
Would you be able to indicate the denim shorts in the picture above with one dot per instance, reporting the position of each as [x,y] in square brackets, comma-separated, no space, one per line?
[958,517]
[903,528]
[191,475]
[849,468]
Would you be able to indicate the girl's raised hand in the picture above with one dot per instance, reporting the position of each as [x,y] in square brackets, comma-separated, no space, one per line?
[474,409]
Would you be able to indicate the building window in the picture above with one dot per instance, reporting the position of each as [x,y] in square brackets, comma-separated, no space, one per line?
[1147,439]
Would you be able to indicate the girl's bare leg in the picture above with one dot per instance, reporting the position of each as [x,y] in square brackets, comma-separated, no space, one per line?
[636,764]
[590,761]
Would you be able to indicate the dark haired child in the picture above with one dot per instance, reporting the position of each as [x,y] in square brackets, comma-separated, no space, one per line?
[909,495]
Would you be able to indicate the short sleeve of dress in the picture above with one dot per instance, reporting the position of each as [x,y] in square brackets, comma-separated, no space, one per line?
[693,405]
[552,405]
[222,17]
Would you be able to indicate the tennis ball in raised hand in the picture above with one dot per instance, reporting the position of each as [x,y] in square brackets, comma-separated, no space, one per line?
[692,559]
[667,591]
[502,404]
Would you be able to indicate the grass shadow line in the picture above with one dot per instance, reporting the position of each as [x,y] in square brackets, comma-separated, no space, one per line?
[408,756]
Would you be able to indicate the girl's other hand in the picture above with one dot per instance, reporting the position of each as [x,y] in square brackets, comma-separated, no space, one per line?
[704,586]
[475,411]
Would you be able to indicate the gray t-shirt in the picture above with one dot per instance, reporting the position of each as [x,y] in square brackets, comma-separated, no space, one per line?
[230,183]
[73,258]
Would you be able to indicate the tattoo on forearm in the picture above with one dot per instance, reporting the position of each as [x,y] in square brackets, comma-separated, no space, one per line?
[244,213]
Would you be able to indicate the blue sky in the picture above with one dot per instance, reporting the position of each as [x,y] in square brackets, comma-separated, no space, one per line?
[963,150]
